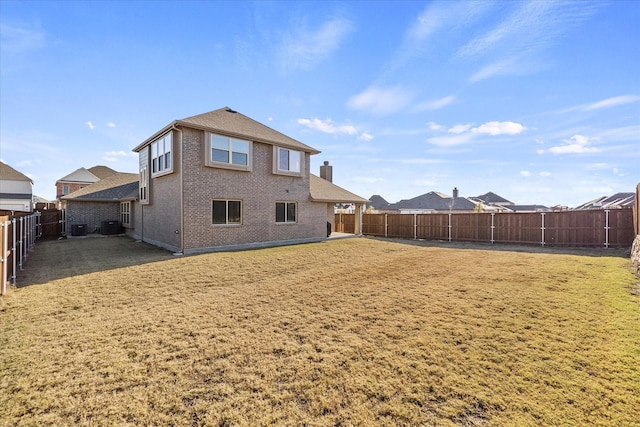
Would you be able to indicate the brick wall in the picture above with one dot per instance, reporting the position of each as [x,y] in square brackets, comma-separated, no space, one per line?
[91,213]
[258,190]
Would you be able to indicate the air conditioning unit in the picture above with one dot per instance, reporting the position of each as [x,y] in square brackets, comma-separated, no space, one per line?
[78,229]
[109,228]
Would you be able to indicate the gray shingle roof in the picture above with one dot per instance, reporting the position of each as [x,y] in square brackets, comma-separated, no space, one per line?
[434,201]
[10,174]
[491,198]
[233,123]
[119,186]
[325,191]
[378,202]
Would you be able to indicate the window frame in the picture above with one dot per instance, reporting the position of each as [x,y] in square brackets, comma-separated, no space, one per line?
[227,223]
[278,170]
[125,213]
[164,163]
[65,189]
[209,147]
[286,207]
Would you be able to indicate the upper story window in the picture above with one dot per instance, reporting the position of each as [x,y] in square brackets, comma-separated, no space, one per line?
[143,182]
[287,162]
[226,152]
[65,189]
[161,162]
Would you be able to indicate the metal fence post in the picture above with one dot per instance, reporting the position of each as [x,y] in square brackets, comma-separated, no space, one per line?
[386,226]
[493,215]
[4,230]
[21,241]
[606,228]
[450,225]
[542,228]
[14,255]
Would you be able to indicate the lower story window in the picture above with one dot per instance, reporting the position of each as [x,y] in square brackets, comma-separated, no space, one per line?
[286,211]
[125,213]
[226,212]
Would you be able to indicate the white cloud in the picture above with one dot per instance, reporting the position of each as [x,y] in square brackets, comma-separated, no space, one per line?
[500,128]
[435,104]
[577,144]
[381,101]
[540,151]
[111,124]
[365,136]
[525,173]
[612,102]
[459,129]
[434,126]
[302,48]
[19,39]
[449,141]
[120,153]
[90,125]
[327,126]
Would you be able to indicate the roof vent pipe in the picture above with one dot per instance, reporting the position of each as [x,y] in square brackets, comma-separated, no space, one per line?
[326,171]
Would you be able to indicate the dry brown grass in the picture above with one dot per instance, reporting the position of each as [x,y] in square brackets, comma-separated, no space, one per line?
[352,332]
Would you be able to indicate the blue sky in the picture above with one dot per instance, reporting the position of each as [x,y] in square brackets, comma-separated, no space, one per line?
[537,101]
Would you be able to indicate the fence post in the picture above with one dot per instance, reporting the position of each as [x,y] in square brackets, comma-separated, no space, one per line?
[21,242]
[606,228]
[542,228]
[386,226]
[14,255]
[493,215]
[4,231]
[450,225]
[415,226]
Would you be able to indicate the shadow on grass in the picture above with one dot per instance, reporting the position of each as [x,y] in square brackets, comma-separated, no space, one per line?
[506,247]
[58,259]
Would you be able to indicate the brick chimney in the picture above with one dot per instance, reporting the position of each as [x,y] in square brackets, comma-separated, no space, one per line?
[326,171]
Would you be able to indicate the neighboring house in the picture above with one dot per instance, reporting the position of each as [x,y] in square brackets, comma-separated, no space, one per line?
[434,202]
[527,208]
[81,178]
[16,190]
[218,180]
[377,204]
[491,202]
[617,201]
[108,200]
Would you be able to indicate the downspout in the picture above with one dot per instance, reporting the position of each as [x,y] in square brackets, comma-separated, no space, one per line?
[181,191]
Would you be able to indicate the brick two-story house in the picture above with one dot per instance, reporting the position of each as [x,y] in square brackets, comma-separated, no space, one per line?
[224,180]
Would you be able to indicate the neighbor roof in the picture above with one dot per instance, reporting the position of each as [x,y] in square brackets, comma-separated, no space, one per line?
[230,122]
[434,201]
[102,171]
[325,191]
[378,202]
[10,174]
[492,197]
[119,186]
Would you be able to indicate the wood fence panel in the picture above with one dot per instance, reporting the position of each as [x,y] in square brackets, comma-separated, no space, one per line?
[50,223]
[400,225]
[373,224]
[518,228]
[621,232]
[432,226]
[472,227]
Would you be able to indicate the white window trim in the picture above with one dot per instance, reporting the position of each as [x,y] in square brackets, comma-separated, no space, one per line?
[168,170]
[143,186]
[276,162]
[228,224]
[208,161]
[285,222]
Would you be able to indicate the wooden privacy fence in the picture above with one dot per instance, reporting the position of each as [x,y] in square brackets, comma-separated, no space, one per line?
[586,228]
[17,237]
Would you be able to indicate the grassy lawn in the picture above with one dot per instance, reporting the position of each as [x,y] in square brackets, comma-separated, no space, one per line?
[351,332]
